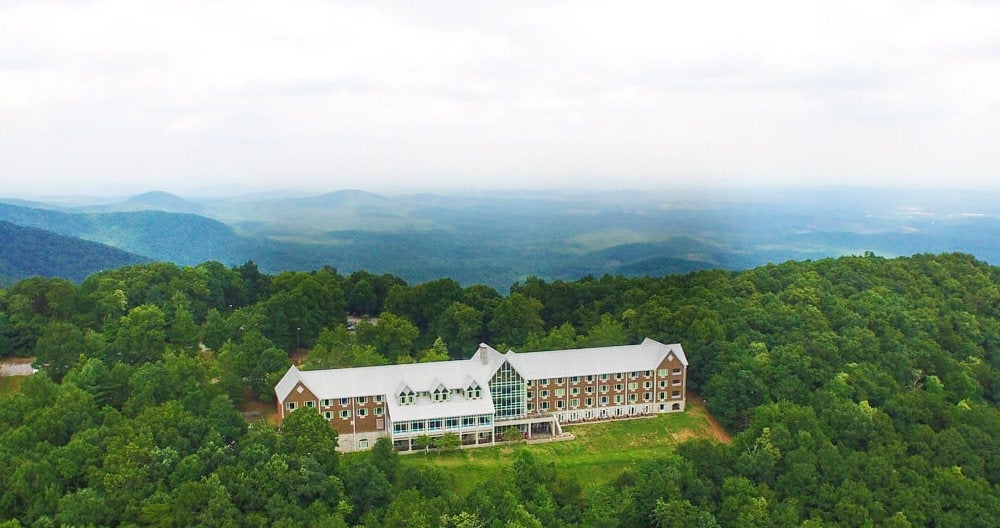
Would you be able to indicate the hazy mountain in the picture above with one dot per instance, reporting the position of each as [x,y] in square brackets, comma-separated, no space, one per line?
[499,238]
[28,251]
[149,201]
[181,238]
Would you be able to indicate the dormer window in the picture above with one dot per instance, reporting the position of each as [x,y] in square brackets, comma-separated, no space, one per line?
[440,394]
[473,392]
[406,397]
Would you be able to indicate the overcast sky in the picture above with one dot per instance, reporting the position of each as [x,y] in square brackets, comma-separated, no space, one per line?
[127,96]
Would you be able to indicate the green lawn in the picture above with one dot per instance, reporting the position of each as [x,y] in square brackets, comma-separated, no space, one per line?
[599,453]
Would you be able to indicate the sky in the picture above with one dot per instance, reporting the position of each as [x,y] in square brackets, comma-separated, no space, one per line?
[126,96]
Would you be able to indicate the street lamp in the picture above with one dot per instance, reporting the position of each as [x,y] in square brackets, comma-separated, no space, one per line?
[297,337]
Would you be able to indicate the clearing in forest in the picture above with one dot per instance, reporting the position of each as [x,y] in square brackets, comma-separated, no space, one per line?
[599,452]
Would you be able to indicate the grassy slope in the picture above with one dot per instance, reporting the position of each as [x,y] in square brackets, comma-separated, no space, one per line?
[10,384]
[598,454]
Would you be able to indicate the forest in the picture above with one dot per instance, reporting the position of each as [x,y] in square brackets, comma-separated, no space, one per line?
[860,391]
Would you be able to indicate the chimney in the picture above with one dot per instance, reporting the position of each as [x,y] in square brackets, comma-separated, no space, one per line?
[482,353]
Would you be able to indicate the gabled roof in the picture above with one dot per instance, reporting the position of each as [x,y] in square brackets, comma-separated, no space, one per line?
[602,360]
[388,380]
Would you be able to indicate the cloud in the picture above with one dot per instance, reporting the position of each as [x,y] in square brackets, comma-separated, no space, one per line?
[396,95]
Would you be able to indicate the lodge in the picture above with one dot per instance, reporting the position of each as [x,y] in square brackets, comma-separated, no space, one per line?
[481,397]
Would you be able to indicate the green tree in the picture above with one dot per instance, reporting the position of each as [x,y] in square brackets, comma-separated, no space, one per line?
[306,433]
[461,326]
[423,442]
[385,458]
[366,486]
[392,337]
[515,318]
[59,347]
[512,434]
[448,442]
[141,336]
[437,352]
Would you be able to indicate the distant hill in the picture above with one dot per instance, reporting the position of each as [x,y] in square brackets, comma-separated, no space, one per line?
[344,198]
[150,201]
[28,251]
[498,238]
[185,239]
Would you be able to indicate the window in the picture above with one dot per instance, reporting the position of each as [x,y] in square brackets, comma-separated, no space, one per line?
[418,425]
[361,400]
[604,400]
[559,381]
[380,424]
[545,405]
[362,413]
[530,406]
[590,402]
[325,403]
[675,394]
[468,421]
[311,404]
[574,403]
[619,398]
[345,414]
[560,393]
[434,425]
[647,396]
[406,397]
[590,378]
[647,385]
[619,387]
[440,394]
[648,373]
[590,390]
[575,379]
[662,372]
[619,376]
[451,423]
[378,398]
[529,383]
[633,385]
[575,391]
[328,415]
[507,389]
[473,392]
[663,395]
[604,389]
[633,397]
[545,382]
[560,404]
[663,383]
[531,395]
[485,419]
[604,377]
[633,375]
[677,371]
[363,443]
[379,411]
[345,401]
[400,427]
[677,382]
[545,394]
[290,406]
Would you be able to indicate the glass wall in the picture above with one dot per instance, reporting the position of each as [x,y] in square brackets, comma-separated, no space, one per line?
[508,391]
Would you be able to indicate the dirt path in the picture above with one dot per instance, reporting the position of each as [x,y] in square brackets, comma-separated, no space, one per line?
[697,405]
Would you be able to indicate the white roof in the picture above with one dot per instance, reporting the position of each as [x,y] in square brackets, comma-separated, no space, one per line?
[389,380]
[603,360]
